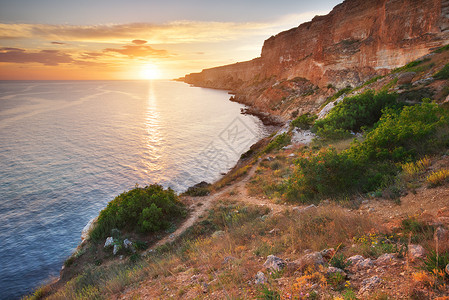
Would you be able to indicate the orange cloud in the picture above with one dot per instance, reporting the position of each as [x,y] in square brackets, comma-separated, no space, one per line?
[139,51]
[139,42]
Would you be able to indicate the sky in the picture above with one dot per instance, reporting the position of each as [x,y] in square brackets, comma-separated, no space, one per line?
[138,39]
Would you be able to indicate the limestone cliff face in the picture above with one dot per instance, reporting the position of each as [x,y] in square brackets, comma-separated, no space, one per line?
[355,41]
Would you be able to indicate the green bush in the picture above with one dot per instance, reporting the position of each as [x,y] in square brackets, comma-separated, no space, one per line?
[399,136]
[304,121]
[326,174]
[278,142]
[142,210]
[443,73]
[404,135]
[354,113]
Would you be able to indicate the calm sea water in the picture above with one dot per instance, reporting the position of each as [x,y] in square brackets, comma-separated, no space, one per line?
[68,147]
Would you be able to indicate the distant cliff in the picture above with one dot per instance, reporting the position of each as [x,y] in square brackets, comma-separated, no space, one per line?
[357,40]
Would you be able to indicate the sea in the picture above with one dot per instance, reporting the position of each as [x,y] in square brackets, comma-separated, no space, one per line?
[67,148]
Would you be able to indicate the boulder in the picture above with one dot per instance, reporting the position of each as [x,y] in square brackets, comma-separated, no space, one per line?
[447,269]
[109,242]
[274,263]
[314,259]
[369,284]
[385,259]
[129,245]
[332,270]
[415,252]
[354,260]
[115,250]
[260,278]
[406,78]
[328,253]
[365,264]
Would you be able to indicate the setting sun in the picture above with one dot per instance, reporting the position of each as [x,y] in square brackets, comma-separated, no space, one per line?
[150,72]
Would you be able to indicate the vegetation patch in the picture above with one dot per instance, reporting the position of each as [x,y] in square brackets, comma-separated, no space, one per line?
[304,121]
[144,210]
[354,114]
[443,73]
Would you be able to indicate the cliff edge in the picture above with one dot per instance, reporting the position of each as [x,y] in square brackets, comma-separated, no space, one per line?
[356,41]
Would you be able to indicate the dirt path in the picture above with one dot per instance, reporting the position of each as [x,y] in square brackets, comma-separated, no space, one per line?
[201,205]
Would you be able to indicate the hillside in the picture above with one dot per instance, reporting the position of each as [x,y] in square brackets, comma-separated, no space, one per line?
[349,199]
[328,218]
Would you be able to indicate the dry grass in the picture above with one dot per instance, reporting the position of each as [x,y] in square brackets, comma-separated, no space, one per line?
[438,177]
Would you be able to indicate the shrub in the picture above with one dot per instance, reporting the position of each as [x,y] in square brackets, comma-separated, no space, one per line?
[443,73]
[336,95]
[413,168]
[304,121]
[438,177]
[143,210]
[278,142]
[436,263]
[404,135]
[339,261]
[326,174]
[354,113]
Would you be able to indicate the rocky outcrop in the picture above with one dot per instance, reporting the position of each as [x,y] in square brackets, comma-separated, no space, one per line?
[355,41]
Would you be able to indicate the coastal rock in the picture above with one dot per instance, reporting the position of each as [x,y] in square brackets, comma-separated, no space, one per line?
[274,263]
[109,242]
[416,252]
[86,230]
[260,278]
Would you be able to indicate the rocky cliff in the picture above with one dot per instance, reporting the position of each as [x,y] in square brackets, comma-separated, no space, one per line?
[357,40]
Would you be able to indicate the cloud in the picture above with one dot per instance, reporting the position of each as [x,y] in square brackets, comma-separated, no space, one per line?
[139,42]
[138,51]
[168,33]
[45,57]
[58,43]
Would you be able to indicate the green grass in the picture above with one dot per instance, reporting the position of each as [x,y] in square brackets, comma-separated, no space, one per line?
[443,73]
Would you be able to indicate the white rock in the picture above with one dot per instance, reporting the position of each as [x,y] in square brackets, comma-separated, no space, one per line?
[87,229]
[416,251]
[260,278]
[274,263]
[385,259]
[355,259]
[115,250]
[109,242]
[369,284]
